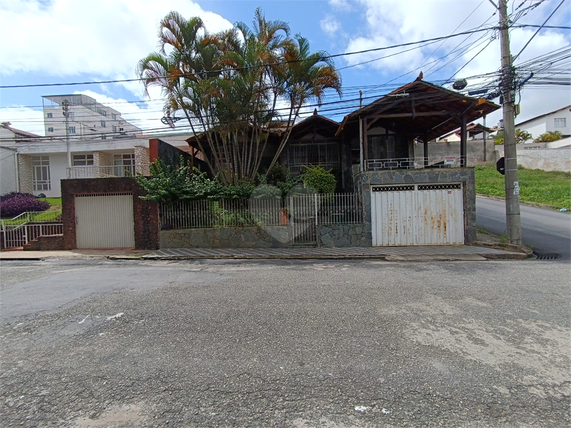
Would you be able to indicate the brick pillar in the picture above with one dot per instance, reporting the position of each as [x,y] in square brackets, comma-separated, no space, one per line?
[142,160]
[25,175]
[103,162]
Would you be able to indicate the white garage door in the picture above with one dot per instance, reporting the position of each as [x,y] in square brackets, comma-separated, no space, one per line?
[417,214]
[104,221]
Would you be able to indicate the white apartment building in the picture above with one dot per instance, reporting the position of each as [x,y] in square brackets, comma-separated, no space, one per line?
[101,144]
[86,119]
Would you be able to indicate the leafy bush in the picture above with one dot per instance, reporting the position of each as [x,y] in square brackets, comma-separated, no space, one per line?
[14,203]
[320,179]
[520,137]
[267,191]
[548,137]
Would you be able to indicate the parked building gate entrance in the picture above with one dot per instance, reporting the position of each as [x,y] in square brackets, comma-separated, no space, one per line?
[104,221]
[417,214]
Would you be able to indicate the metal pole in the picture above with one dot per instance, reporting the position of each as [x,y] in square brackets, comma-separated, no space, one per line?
[513,220]
[65,108]
[361,158]
[485,142]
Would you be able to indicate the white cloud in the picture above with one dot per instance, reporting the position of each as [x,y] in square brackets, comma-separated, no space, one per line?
[392,22]
[100,37]
[342,5]
[23,118]
[330,26]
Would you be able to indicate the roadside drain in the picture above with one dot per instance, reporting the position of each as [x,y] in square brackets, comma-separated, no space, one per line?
[546,256]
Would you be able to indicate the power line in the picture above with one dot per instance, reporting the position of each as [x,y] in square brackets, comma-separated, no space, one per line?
[534,34]
[434,39]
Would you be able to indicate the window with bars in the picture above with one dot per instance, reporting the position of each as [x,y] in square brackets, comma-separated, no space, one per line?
[304,154]
[41,173]
[71,129]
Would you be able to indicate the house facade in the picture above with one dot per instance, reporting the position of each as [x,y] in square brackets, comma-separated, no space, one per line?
[97,142]
[10,139]
[558,120]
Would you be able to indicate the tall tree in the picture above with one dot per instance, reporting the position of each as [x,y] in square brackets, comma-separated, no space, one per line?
[229,84]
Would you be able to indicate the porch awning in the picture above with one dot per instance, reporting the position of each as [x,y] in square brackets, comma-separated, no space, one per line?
[420,109]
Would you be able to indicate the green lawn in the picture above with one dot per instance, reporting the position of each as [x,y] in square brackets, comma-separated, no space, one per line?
[543,187]
[51,214]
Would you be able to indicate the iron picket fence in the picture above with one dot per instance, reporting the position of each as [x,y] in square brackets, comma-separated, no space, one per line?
[319,209]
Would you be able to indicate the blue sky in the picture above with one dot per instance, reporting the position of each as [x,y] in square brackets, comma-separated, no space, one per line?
[62,41]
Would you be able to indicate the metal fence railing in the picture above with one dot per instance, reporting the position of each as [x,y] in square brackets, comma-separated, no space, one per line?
[15,236]
[410,163]
[26,227]
[205,213]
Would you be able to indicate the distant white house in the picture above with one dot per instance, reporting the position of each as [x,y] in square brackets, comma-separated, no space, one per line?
[558,120]
[474,131]
[101,144]
[10,139]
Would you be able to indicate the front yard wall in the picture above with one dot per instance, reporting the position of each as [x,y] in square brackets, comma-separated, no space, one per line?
[146,214]
[227,237]
[465,176]
[350,235]
[343,235]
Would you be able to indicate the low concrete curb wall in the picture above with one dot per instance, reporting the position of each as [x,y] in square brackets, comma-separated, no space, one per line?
[343,235]
[228,237]
[349,235]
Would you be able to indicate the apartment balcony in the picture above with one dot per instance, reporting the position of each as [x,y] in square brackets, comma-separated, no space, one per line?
[106,171]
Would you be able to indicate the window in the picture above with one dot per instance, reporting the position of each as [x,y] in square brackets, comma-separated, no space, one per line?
[71,129]
[50,129]
[49,115]
[560,122]
[82,160]
[103,124]
[103,136]
[124,164]
[41,173]
[71,115]
[114,128]
[113,116]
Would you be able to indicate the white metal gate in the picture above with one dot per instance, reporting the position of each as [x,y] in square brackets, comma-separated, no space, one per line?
[104,221]
[417,214]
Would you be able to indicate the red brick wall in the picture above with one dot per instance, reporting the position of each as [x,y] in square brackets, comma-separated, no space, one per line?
[146,213]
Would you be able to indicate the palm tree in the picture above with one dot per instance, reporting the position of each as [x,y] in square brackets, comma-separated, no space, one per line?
[228,85]
[306,75]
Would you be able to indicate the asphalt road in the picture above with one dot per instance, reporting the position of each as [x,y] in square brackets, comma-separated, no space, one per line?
[548,231]
[285,344]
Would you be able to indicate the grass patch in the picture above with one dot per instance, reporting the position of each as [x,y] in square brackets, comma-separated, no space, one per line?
[542,187]
[55,203]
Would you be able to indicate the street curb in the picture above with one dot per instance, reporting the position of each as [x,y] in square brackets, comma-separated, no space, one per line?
[528,252]
[384,257]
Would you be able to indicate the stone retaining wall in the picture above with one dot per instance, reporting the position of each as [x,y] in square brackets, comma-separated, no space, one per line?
[349,235]
[342,235]
[227,237]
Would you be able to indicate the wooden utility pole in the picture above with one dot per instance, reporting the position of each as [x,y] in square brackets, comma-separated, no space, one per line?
[507,89]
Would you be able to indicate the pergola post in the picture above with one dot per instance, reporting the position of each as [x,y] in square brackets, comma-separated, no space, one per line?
[425,141]
[463,142]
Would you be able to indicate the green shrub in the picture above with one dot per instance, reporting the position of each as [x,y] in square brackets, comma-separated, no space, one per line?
[320,179]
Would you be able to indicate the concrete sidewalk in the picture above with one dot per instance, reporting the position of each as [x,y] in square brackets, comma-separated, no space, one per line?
[411,253]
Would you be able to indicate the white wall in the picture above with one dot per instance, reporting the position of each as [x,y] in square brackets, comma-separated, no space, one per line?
[541,125]
[8,182]
[58,165]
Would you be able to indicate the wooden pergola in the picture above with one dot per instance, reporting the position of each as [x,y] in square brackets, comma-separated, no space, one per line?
[421,111]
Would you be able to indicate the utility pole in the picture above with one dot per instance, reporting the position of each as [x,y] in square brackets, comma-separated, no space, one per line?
[507,89]
[65,109]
